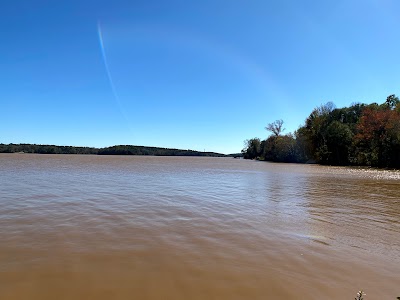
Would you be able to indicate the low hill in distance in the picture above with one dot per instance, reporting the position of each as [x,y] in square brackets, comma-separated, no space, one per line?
[113,150]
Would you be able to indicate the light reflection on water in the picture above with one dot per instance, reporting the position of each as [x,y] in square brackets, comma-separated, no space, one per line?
[193,228]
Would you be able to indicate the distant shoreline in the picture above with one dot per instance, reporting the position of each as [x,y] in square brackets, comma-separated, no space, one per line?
[112,150]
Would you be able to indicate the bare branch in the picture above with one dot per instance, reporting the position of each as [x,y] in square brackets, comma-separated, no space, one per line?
[275,127]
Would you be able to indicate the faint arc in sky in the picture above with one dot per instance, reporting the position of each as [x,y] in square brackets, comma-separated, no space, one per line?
[113,89]
[183,39]
[270,88]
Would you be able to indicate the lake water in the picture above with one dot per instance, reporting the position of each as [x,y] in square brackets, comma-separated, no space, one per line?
[136,227]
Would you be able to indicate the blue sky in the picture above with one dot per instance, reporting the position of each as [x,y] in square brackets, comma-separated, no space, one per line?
[203,75]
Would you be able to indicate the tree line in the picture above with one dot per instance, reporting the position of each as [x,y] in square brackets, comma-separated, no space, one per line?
[113,150]
[156,151]
[360,135]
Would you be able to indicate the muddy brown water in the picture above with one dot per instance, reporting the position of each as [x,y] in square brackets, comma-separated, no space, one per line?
[137,227]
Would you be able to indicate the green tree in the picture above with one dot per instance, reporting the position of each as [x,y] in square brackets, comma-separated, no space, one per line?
[392,101]
[252,148]
[339,141]
[316,131]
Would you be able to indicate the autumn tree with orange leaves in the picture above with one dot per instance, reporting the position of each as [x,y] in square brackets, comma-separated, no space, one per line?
[378,135]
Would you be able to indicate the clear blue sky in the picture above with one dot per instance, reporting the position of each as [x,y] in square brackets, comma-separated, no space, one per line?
[187,74]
